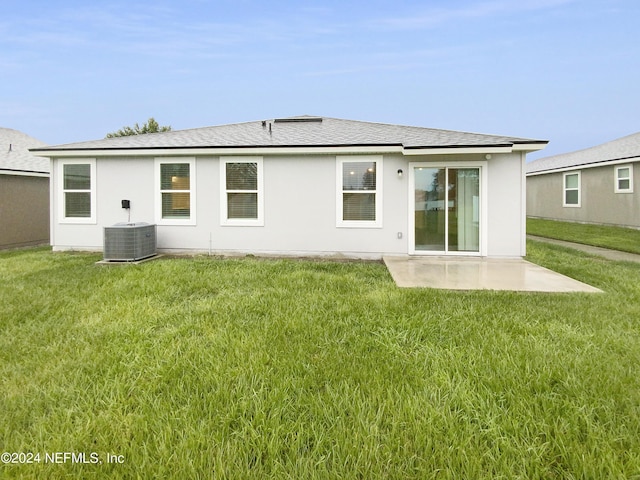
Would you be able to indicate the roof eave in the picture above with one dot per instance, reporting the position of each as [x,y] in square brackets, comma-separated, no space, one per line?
[288,149]
[23,173]
[458,149]
[217,150]
[534,146]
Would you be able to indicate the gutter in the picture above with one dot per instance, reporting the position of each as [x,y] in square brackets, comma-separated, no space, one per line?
[25,173]
[289,149]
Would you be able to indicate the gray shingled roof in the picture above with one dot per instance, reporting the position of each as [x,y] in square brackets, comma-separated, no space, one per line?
[15,155]
[302,131]
[620,149]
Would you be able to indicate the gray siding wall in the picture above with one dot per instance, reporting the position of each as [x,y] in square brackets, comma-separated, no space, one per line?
[599,202]
[24,211]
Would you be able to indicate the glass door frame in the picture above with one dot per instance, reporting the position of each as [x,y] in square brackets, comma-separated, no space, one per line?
[482,250]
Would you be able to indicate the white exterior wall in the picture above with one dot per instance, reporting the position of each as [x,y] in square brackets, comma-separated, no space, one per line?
[506,227]
[299,214]
[299,208]
[116,179]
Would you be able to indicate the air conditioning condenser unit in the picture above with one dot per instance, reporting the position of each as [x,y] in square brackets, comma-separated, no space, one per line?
[128,242]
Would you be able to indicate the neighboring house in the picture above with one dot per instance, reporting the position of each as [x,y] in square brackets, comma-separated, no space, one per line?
[24,191]
[298,186]
[595,185]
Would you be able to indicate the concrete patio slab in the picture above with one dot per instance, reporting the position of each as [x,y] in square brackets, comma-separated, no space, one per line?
[475,273]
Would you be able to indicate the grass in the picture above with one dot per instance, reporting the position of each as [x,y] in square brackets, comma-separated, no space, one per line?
[249,368]
[616,238]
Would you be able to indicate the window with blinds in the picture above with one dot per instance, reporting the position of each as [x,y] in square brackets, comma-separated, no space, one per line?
[76,195]
[359,187]
[358,191]
[242,191]
[77,190]
[175,179]
[175,190]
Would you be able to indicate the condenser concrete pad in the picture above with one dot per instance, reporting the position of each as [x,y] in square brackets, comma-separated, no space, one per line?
[479,273]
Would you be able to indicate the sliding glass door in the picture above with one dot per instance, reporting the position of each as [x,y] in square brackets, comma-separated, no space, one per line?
[446,209]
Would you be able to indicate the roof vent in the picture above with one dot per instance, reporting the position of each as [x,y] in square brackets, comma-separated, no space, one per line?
[299,120]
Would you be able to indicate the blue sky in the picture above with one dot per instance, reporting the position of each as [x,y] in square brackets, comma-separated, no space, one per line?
[563,70]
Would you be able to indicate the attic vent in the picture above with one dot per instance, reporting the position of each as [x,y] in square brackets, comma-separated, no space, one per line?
[299,120]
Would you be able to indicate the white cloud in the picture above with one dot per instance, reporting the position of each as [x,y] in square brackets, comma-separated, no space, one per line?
[434,17]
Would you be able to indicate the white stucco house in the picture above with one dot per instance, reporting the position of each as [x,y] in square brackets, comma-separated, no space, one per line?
[299,186]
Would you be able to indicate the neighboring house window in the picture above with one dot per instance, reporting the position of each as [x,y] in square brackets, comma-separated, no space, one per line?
[175,181]
[571,189]
[359,187]
[624,179]
[242,191]
[77,202]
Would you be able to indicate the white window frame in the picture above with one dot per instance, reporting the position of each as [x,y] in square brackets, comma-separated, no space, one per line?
[340,161]
[92,219]
[618,178]
[241,222]
[192,191]
[565,190]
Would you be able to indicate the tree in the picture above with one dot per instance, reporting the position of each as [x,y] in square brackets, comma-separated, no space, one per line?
[150,127]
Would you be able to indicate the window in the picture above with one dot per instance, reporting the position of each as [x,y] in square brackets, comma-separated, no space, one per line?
[571,189]
[242,191]
[359,190]
[77,202]
[624,179]
[175,180]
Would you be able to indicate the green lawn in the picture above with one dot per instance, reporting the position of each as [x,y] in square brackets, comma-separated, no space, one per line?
[616,238]
[283,369]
